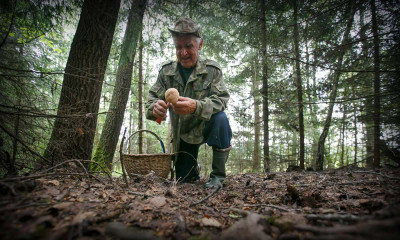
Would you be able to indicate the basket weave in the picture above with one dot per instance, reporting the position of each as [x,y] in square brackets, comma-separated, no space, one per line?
[145,163]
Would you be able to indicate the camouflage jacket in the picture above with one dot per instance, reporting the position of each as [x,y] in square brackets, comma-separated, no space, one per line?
[205,85]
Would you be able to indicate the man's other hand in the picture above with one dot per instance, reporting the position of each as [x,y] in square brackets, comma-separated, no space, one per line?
[160,109]
[184,106]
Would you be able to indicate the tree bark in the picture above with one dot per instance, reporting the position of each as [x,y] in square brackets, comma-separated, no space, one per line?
[377,84]
[299,85]
[257,122]
[140,93]
[115,116]
[266,158]
[332,97]
[342,132]
[367,117]
[72,137]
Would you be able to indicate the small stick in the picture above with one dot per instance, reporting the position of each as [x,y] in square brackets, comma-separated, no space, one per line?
[9,187]
[347,217]
[207,197]
[42,175]
[272,206]
[120,158]
[140,194]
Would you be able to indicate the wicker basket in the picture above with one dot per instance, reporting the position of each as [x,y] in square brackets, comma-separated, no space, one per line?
[145,163]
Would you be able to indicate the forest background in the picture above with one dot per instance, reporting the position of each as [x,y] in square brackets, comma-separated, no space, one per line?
[313,83]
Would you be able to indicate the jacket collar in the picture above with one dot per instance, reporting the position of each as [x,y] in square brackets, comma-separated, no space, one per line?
[200,68]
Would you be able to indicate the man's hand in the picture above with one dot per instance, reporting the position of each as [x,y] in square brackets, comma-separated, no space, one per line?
[160,109]
[184,106]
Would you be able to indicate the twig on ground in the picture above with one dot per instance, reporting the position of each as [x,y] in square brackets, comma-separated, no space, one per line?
[273,206]
[67,161]
[380,174]
[140,194]
[319,182]
[10,188]
[336,217]
[122,162]
[340,183]
[207,197]
[24,144]
[24,206]
[243,212]
[32,177]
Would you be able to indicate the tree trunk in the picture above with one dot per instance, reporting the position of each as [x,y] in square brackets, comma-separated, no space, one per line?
[140,93]
[74,129]
[257,122]
[266,159]
[343,131]
[355,129]
[332,97]
[367,117]
[112,127]
[377,84]
[299,85]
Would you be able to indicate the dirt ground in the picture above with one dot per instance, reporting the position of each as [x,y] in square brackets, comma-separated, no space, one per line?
[347,203]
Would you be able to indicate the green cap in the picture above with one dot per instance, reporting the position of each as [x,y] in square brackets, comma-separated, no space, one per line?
[185,26]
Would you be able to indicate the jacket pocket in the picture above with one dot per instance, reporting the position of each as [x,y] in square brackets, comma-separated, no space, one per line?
[201,89]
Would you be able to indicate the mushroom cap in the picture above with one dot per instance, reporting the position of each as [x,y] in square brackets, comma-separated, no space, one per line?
[172,95]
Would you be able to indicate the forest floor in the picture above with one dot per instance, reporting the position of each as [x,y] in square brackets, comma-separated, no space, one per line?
[347,203]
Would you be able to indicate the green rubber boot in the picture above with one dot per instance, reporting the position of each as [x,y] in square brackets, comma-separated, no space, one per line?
[218,174]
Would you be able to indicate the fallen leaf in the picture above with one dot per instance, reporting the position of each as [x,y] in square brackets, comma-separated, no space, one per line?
[290,218]
[210,222]
[327,210]
[63,205]
[82,216]
[158,201]
[251,227]
[54,182]
[81,131]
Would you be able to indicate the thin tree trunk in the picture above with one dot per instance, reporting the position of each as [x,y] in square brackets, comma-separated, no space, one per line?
[332,97]
[377,84]
[299,85]
[355,129]
[368,117]
[343,131]
[72,137]
[140,93]
[256,152]
[112,127]
[266,159]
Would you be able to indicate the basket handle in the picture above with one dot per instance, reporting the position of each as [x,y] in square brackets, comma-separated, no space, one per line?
[145,130]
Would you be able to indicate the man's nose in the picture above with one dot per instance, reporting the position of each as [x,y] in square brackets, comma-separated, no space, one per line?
[184,52]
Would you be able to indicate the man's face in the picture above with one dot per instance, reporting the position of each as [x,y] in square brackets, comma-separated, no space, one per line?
[187,50]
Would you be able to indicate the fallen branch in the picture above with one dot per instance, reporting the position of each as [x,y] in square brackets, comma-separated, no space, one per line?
[340,183]
[122,162]
[10,188]
[23,144]
[376,173]
[336,217]
[140,194]
[24,206]
[241,211]
[366,229]
[272,206]
[36,176]
[207,197]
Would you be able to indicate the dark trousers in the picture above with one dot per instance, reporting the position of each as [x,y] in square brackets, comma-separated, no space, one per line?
[217,133]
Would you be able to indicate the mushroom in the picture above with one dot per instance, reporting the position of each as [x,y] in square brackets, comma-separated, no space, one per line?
[172,95]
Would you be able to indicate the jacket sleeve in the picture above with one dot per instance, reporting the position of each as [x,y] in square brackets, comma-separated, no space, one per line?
[217,99]
[156,93]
